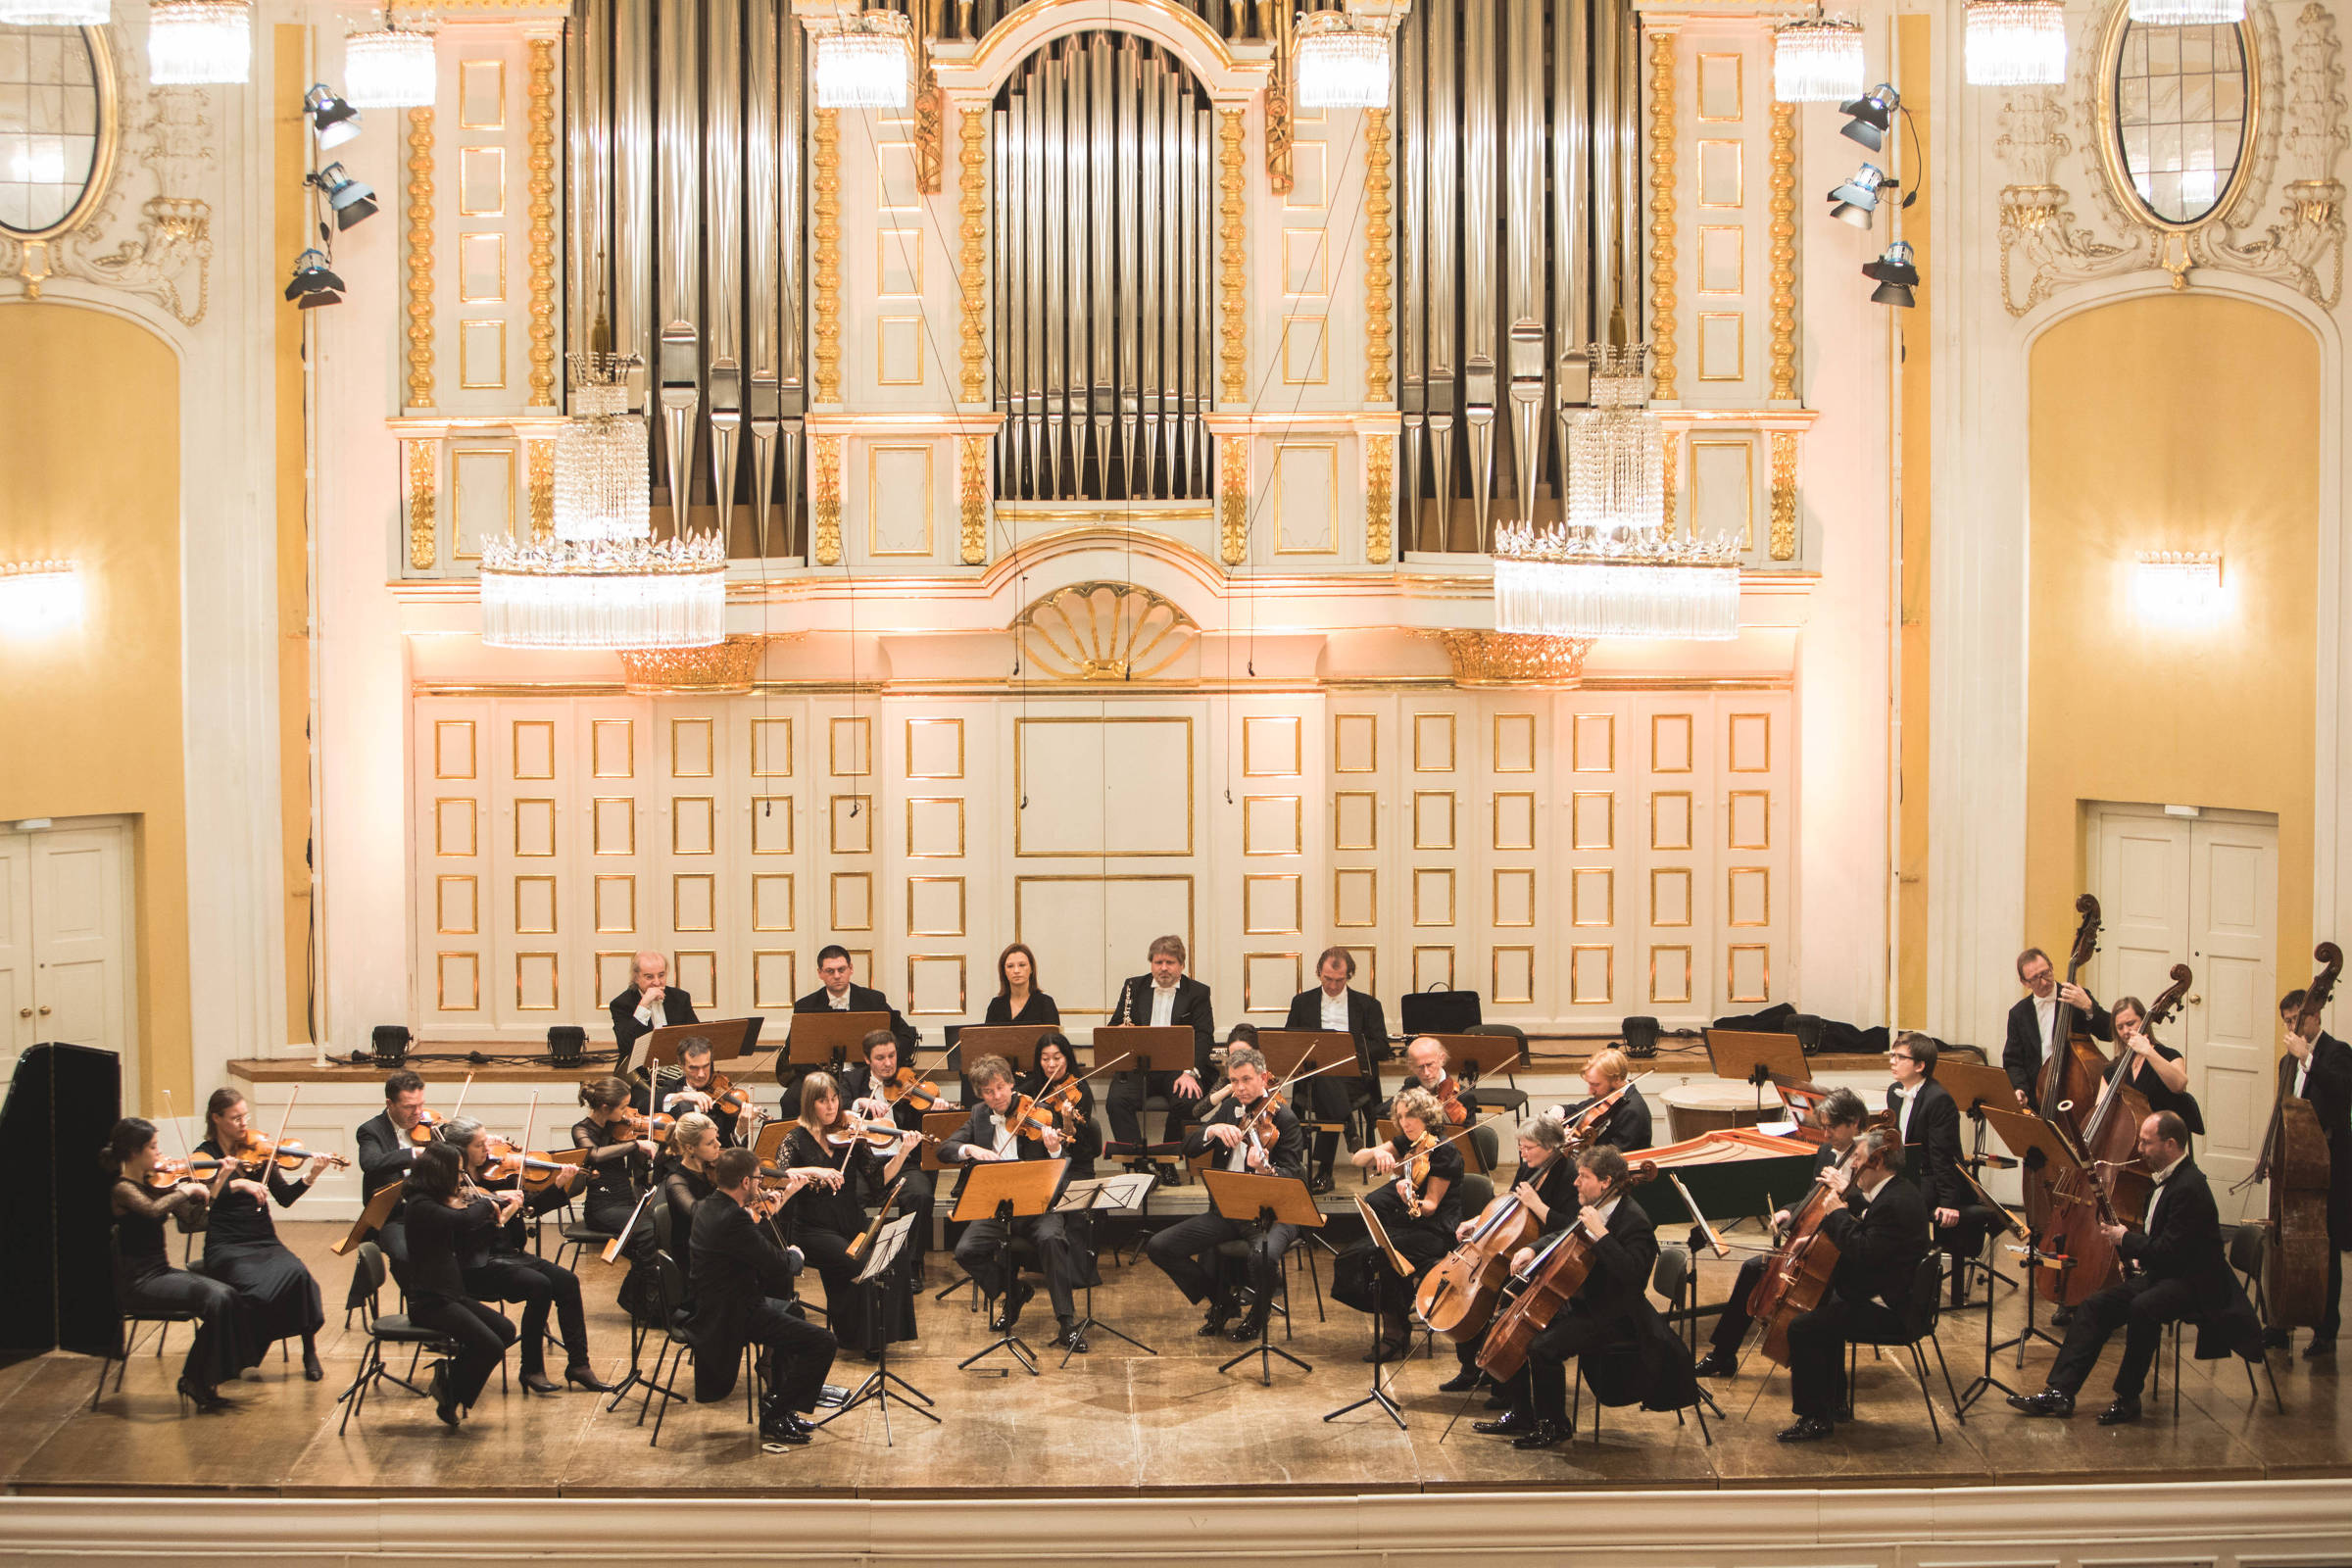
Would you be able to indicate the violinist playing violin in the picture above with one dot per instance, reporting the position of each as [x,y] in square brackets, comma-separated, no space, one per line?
[1420,1207]
[828,1218]
[619,1168]
[141,1199]
[1623,1123]
[698,1090]
[387,1151]
[1881,1233]
[992,1134]
[241,1246]
[1546,1182]
[497,1266]
[1187,1251]
[450,1219]
[1842,1116]
[868,1087]
[1430,1066]
[742,1283]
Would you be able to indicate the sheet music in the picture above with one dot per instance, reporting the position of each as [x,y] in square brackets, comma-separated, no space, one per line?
[1127,1190]
[886,1248]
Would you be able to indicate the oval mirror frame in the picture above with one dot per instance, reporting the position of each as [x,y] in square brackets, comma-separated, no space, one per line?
[2110,128]
[102,160]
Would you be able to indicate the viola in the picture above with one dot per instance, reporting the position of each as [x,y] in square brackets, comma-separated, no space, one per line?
[873,1134]
[1546,1284]
[2295,1162]
[427,1126]
[630,1124]
[1029,1117]
[727,1098]
[1587,1122]
[169,1173]
[532,1166]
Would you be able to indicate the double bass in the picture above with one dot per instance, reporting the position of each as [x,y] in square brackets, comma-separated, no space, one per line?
[2111,1132]
[1548,1282]
[2071,1074]
[2295,1162]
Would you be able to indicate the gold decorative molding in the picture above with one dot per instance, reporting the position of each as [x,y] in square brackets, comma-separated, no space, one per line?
[1661,216]
[1783,186]
[1513,659]
[825,498]
[1233,278]
[1380,497]
[1670,466]
[1233,498]
[1090,631]
[722,668]
[424,464]
[1278,127]
[1783,495]
[930,135]
[971,494]
[541,114]
[420,258]
[1379,253]
[539,460]
[825,185]
[972,275]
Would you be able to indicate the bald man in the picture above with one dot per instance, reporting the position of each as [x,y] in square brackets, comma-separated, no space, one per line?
[649,1003]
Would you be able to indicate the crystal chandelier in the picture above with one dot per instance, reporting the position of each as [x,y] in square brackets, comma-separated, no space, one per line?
[2015,43]
[1613,571]
[603,582]
[390,67]
[1817,59]
[863,62]
[55,12]
[199,42]
[1342,62]
[2188,13]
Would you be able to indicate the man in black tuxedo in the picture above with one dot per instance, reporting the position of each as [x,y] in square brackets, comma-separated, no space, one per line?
[1187,1251]
[1166,998]
[1842,1117]
[2034,1017]
[1928,1118]
[649,1003]
[1626,1124]
[386,1151]
[2183,1269]
[1334,1006]
[742,1294]
[1881,1233]
[982,1139]
[2318,1067]
[838,995]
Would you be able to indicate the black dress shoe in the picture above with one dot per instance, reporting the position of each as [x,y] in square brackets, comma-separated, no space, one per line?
[1716,1364]
[1513,1423]
[776,1435]
[443,1405]
[1247,1327]
[1220,1314]
[2062,1317]
[584,1377]
[1809,1429]
[2278,1339]
[1541,1434]
[1014,1300]
[1462,1381]
[2049,1401]
[2122,1413]
[1320,1184]
[1072,1337]
[310,1369]
[2319,1351]
[539,1382]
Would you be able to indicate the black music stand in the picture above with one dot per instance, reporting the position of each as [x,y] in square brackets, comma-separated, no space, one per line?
[1008,1190]
[1016,1043]
[1146,1049]
[1404,1271]
[2037,1144]
[829,1039]
[1756,1058]
[1127,1190]
[728,1039]
[1975,1086]
[1262,1202]
[885,1245]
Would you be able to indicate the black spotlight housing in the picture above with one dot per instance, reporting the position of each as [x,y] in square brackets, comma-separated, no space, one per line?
[1809,1028]
[1641,1032]
[351,201]
[1869,117]
[566,1046]
[1896,276]
[313,284]
[389,1043]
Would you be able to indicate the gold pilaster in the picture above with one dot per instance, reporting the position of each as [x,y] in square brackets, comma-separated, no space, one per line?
[1380,497]
[972,275]
[930,135]
[1662,277]
[1783,495]
[825,186]
[971,492]
[539,458]
[824,496]
[1233,277]
[1379,253]
[420,259]
[1783,349]
[541,116]
[1671,461]
[1233,498]
[425,459]
[1279,126]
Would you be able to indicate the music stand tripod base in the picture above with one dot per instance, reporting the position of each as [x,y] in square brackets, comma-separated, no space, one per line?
[1005,1191]
[1261,1202]
[1105,1194]
[1379,1394]
[882,1384]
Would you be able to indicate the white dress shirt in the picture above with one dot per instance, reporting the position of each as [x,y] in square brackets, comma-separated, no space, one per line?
[839,1000]
[1608,1211]
[2045,1015]
[1334,1012]
[2147,1220]
[1163,1004]
[1902,1120]
[2302,1073]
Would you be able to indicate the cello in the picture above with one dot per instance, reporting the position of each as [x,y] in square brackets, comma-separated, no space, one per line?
[1458,1296]
[2295,1162]
[1799,1269]
[1547,1283]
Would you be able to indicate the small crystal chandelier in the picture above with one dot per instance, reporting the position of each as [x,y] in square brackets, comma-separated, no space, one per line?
[1613,571]
[1342,62]
[1817,59]
[862,61]
[55,12]
[603,582]
[390,67]
[2015,43]
[2188,13]
[199,42]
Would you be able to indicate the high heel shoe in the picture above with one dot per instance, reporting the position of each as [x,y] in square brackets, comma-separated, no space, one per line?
[584,1377]
[538,1383]
[206,1399]
[312,1370]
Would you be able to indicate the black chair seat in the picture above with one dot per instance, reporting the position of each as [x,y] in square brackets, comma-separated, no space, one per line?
[396,1326]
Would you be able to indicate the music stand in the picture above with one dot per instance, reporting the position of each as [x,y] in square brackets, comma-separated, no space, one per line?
[1404,1271]
[2037,1144]
[1262,1202]
[1756,1058]
[729,1037]
[1016,1043]
[1006,1190]
[885,1243]
[1146,1048]
[1975,1086]
[829,1039]
[1326,1052]
[1126,1190]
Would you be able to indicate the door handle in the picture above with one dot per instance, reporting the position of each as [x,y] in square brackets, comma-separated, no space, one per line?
[2196,1002]
[45,1010]
[24,1012]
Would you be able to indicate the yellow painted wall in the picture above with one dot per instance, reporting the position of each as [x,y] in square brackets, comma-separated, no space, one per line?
[292,151]
[89,443]
[2176,422]
[1912,38]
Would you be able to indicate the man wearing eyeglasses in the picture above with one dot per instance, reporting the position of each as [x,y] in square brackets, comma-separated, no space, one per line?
[2035,1019]
[1928,1120]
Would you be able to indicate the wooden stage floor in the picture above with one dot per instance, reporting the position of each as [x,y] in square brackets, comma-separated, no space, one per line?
[1117,1422]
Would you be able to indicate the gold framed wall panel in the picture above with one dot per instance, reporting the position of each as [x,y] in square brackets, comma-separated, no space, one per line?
[533,901]
[771,743]
[1592,820]
[1747,972]
[1511,897]
[1433,819]
[1670,973]
[694,747]
[1022,882]
[1354,820]
[453,747]
[1354,896]
[927,982]
[1263,825]
[774,907]
[611,747]
[1747,743]
[1592,896]
[1672,816]
[531,751]
[1433,742]
[1747,896]
[452,827]
[1591,974]
[877,485]
[693,901]
[1513,827]
[614,900]
[926,743]
[1273,745]
[1670,895]
[1512,744]
[771,824]
[859,731]
[1592,743]
[1355,743]
[1263,974]
[534,827]
[1433,966]
[775,978]
[851,819]
[1263,894]
[927,902]
[464,967]
[611,824]
[450,919]
[1671,738]
[849,902]
[693,824]
[927,840]
[1108,721]
[1433,888]
[538,975]
[1511,975]
[1748,820]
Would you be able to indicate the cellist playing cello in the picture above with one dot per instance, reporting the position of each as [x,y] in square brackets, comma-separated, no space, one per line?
[1881,1233]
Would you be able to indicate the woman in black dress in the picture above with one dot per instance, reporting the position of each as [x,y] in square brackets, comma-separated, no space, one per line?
[241,1249]
[1017,999]
[617,1168]
[684,1173]
[449,1220]
[826,1219]
[145,1278]
[1419,1210]
[1082,1139]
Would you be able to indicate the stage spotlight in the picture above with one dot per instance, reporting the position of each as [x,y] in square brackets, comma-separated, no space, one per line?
[1870,116]
[352,201]
[1858,197]
[566,1046]
[333,121]
[1896,275]
[313,285]
[1641,1032]
[390,1044]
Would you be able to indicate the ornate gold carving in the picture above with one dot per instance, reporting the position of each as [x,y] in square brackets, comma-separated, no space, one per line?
[824,497]
[1661,215]
[540,459]
[930,134]
[541,114]
[1380,497]
[1092,631]
[825,183]
[1379,250]
[971,491]
[1671,461]
[425,461]
[728,666]
[420,258]
[1233,498]
[1279,135]
[1783,495]
[1233,278]
[972,275]
[1783,184]
[1514,659]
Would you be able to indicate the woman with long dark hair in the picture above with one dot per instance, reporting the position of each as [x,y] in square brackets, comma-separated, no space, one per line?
[241,1246]
[450,1220]
[145,1278]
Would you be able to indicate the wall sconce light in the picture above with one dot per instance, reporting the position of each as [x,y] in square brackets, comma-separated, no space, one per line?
[2176,586]
[39,596]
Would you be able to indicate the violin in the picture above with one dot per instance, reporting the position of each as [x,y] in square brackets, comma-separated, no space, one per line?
[631,1124]
[873,1134]
[427,1126]
[907,1087]
[533,1166]
[199,1168]
[1030,1117]
[256,1152]
[1587,1122]
[726,1099]
[1417,1174]
[1450,1099]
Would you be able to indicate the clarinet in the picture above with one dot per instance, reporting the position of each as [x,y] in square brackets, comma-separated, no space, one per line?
[1126,994]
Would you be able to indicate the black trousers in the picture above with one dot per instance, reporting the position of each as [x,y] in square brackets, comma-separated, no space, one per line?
[1187,1252]
[482,1334]
[538,1285]
[2331,1316]
[1540,1386]
[846,1305]
[1129,1091]
[1326,1099]
[1060,1252]
[1817,1350]
[1965,1239]
[1730,1329]
[227,1342]
[2140,1306]
[794,1355]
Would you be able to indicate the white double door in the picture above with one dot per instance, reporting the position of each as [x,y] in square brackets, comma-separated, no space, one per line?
[65,943]
[2201,891]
